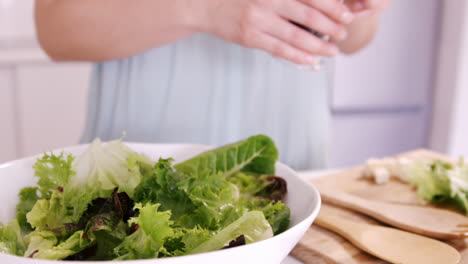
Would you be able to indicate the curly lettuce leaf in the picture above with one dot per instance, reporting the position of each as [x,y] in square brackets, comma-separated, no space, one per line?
[215,199]
[256,154]
[252,225]
[53,171]
[96,173]
[161,186]
[154,228]
[207,201]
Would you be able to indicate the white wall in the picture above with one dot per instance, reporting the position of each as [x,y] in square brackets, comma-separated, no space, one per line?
[450,122]
[382,95]
[16,19]
[42,104]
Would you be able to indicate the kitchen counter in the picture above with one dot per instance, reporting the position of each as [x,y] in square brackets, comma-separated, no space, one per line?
[307,175]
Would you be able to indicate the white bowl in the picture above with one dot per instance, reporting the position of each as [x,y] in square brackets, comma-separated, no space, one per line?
[302,198]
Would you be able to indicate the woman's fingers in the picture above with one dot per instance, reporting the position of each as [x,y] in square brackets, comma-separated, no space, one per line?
[267,25]
[334,9]
[370,6]
[299,38]
[281,49]
[312,18]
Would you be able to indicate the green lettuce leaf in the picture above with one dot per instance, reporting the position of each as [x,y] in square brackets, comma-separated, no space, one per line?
[28,197]
[161,186]
[45,245]
[53,171]
[264,193]
[154,228]
[96,173]
[11,240]
[48,214]
[104,223]
[256,154]
[276,213]
[192,238]
[207,201]
[440,182]
[106,167]
[100,170]
[101,229]
[215,199]
[252,225]
[265,186]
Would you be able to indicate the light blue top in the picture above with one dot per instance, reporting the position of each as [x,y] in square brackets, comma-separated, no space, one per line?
[207,91]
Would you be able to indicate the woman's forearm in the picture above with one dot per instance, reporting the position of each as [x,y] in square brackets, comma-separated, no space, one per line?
[90,30]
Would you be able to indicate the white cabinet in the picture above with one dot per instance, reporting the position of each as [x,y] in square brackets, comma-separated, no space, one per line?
[7,116]
[51,105]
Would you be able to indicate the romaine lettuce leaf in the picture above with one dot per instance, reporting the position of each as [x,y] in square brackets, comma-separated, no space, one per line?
[256,154]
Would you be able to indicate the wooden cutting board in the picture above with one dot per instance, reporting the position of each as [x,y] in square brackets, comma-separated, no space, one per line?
[320,246]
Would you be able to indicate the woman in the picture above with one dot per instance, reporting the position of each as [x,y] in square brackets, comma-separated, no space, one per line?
[200,71]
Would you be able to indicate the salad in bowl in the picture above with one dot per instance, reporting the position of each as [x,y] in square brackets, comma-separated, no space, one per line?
[111,202]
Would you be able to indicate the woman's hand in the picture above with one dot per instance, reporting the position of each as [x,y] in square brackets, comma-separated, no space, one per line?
[367,8]
[364,27]
[90,30]
[265,25]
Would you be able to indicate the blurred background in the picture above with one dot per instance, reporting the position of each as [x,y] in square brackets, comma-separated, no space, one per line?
[407,90]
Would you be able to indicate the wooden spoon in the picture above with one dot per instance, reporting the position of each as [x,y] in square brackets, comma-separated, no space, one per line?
[387,243]
[427,221]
